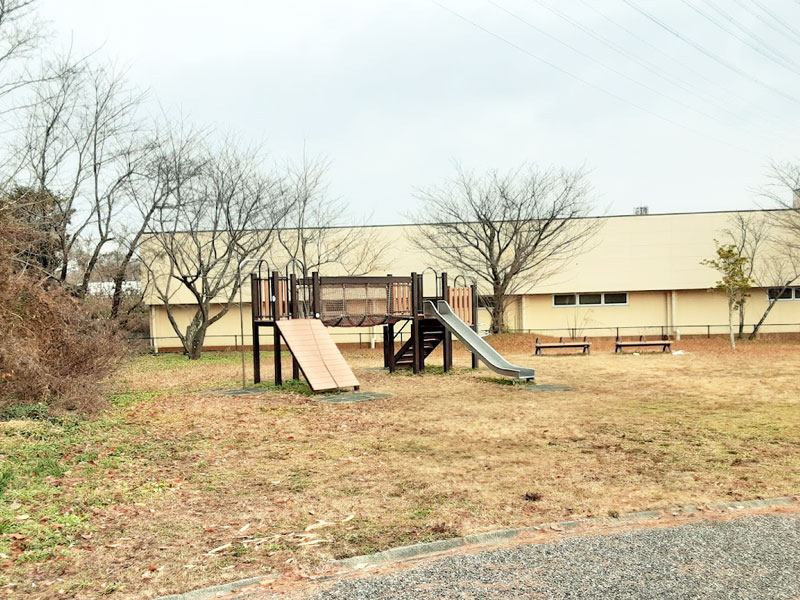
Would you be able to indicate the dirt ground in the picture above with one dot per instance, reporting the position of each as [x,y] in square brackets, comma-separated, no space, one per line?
[187,488]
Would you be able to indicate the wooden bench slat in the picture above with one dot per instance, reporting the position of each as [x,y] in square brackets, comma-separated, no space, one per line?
[642,343]
[585,344]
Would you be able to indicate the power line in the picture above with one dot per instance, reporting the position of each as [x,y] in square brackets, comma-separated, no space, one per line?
[684,66]
[760,46]
[744,29]
[778,20]
[766,22]
[602,64]
[585,81]
[649,65]
[708,53]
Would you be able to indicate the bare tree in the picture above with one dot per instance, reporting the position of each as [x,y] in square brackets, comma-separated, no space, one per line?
[778,263]
[310,233]
[149,189]
[20,32]
[220,209]
[82,145]
[783,192]
[508,229]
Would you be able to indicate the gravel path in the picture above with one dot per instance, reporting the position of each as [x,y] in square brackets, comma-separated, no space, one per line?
[756,557]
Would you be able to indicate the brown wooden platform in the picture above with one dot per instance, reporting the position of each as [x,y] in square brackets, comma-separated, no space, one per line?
[320,361]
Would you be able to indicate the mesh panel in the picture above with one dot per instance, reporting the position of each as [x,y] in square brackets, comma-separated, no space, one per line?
[356,304]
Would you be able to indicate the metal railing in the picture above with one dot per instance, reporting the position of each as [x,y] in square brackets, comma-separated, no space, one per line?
[706,330]
[366,338]
[235,341]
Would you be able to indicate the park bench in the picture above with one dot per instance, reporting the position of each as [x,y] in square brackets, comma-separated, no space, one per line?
[665,343]
[582,344]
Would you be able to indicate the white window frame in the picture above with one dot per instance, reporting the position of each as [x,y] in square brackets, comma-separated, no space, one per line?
[794,294]
[627,299]
[573,305]
[577,303]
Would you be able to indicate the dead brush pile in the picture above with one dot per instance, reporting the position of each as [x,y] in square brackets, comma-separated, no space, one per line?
[54,351]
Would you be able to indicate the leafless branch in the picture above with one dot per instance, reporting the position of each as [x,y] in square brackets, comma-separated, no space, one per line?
[506,229]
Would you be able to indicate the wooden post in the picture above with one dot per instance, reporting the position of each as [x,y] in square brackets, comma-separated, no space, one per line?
[385,346]
[474,289]
[447,348]
[390,346]
[294,311]
[416,360]
[255,301]
[276,334]
[316,304]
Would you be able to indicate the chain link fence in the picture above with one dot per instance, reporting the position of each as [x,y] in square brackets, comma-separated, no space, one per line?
[367,339]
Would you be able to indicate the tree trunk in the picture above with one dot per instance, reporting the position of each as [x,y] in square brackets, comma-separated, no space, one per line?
[762,319]
[498,312]
[730,325]
[741,321]
[87,274]
[116,298]
[195,336]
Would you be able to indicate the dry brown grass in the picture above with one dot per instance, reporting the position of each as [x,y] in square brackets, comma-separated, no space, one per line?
[446,455]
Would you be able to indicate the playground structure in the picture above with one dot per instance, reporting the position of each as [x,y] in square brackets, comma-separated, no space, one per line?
[299,309]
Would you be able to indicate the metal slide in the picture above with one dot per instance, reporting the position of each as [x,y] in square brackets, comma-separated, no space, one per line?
[491,357]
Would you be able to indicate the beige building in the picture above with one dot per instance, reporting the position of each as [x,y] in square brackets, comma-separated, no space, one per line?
[642,275]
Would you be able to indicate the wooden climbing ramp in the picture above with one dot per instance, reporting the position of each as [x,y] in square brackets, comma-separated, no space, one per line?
[319,358]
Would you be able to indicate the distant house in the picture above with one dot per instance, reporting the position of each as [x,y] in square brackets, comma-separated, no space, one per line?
[106,288]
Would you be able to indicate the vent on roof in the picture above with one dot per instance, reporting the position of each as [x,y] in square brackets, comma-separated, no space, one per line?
[640,210]
[796,199]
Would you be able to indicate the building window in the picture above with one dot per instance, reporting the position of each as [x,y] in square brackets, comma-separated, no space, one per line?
[564,300]
[615,298]
[590,299]
[593,299]
[784,293]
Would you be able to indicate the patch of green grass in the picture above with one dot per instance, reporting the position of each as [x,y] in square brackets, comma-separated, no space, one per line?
[55,473]
[297,386]
[128,398]
[170,361]
[503,381]
[39,411]
[435,370]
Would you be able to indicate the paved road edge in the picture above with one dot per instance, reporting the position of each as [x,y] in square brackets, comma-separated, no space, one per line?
[430,549]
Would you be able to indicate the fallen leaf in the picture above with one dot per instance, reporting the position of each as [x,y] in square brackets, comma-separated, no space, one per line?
[218,549]
[319,525]
[312,542]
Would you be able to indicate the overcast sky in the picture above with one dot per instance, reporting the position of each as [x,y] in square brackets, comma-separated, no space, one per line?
[394,92]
